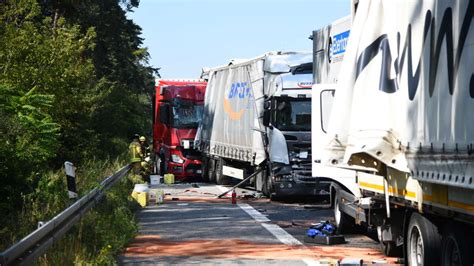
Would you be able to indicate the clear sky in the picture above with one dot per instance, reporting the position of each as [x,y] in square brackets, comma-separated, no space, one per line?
[183,36]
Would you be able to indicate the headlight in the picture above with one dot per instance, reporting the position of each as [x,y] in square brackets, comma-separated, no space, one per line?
[186,144]
[176,159]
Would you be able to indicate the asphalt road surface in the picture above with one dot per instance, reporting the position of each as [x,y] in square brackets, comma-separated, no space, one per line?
[193,227]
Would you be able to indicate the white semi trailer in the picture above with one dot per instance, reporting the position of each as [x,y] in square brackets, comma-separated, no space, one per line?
[395,133]
[257,119]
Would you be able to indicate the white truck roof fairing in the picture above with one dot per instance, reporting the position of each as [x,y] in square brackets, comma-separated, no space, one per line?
[280,62]
[329,46]
[405,86]
[233,105]
[275,62]
[293,85]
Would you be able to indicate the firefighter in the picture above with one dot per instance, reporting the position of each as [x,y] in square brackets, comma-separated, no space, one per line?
[146,162]
[136,155]
[144,146]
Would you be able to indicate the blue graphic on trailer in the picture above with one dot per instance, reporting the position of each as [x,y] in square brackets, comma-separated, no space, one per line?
[338,44]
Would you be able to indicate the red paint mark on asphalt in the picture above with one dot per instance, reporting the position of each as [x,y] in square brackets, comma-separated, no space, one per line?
[155,246]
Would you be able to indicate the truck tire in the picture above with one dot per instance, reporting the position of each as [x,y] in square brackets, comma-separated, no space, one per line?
[344,223]
[211,166]
[268,189]
[455,246]
[159,166]
[205,170]
[423,241]
[220,178]
[156,166]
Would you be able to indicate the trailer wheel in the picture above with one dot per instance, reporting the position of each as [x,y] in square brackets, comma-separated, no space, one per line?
[423,241]
[220,178]
[454,246]
[211,166]
[205,170]
[343,221]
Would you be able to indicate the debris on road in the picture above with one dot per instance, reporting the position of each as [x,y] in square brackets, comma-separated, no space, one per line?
[323,233]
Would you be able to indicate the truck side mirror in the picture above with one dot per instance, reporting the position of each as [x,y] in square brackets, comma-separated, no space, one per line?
[266,118]
[165,114]
[267,106]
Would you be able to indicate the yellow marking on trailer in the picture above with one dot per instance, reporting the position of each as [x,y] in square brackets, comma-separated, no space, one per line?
[428,198]
[371,186]
[461,205]
[400,192]
[451,203]
[439,194]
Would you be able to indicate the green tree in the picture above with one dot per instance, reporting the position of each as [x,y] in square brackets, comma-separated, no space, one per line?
[74,84]
[44,83]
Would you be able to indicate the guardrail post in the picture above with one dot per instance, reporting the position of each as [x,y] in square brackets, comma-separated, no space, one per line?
[71,179]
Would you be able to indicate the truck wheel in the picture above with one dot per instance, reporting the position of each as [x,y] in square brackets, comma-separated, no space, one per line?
[267,189]
[454,246]
[220,178]
[211,166]
[155,166]
[159,165]
[423,241]
[205,170]
[343,221]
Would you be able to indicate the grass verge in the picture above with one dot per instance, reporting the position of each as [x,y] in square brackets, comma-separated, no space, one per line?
[100,235]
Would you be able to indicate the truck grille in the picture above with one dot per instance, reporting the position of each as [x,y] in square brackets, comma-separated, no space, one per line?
[191,154]
[193,168]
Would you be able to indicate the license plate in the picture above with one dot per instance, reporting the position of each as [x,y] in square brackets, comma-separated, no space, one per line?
[198,171]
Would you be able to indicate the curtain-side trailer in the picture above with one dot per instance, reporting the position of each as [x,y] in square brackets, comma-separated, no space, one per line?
[398,145]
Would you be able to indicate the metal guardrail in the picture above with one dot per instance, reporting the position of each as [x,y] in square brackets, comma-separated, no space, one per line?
[35,244]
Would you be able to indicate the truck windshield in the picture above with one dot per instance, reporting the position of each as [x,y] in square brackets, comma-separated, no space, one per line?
[186,114]
[293,114]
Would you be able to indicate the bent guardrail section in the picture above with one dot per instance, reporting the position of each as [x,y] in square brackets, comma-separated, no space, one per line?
[35,244]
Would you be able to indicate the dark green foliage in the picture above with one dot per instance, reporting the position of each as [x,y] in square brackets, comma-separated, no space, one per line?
[74,85]
[99,236]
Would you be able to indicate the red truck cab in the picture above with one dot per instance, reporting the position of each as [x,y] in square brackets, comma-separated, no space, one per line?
[178,108]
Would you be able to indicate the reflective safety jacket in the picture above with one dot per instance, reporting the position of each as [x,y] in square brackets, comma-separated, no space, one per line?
[135,152]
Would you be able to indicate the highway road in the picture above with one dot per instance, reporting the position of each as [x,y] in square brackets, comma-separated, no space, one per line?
[193,227]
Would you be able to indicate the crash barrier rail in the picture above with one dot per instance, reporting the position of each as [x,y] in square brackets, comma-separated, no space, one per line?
[35,244]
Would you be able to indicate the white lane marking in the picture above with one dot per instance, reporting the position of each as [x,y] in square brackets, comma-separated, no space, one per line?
[256,215]
[311,262]
[222,188]
[280,233]
[283,236]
